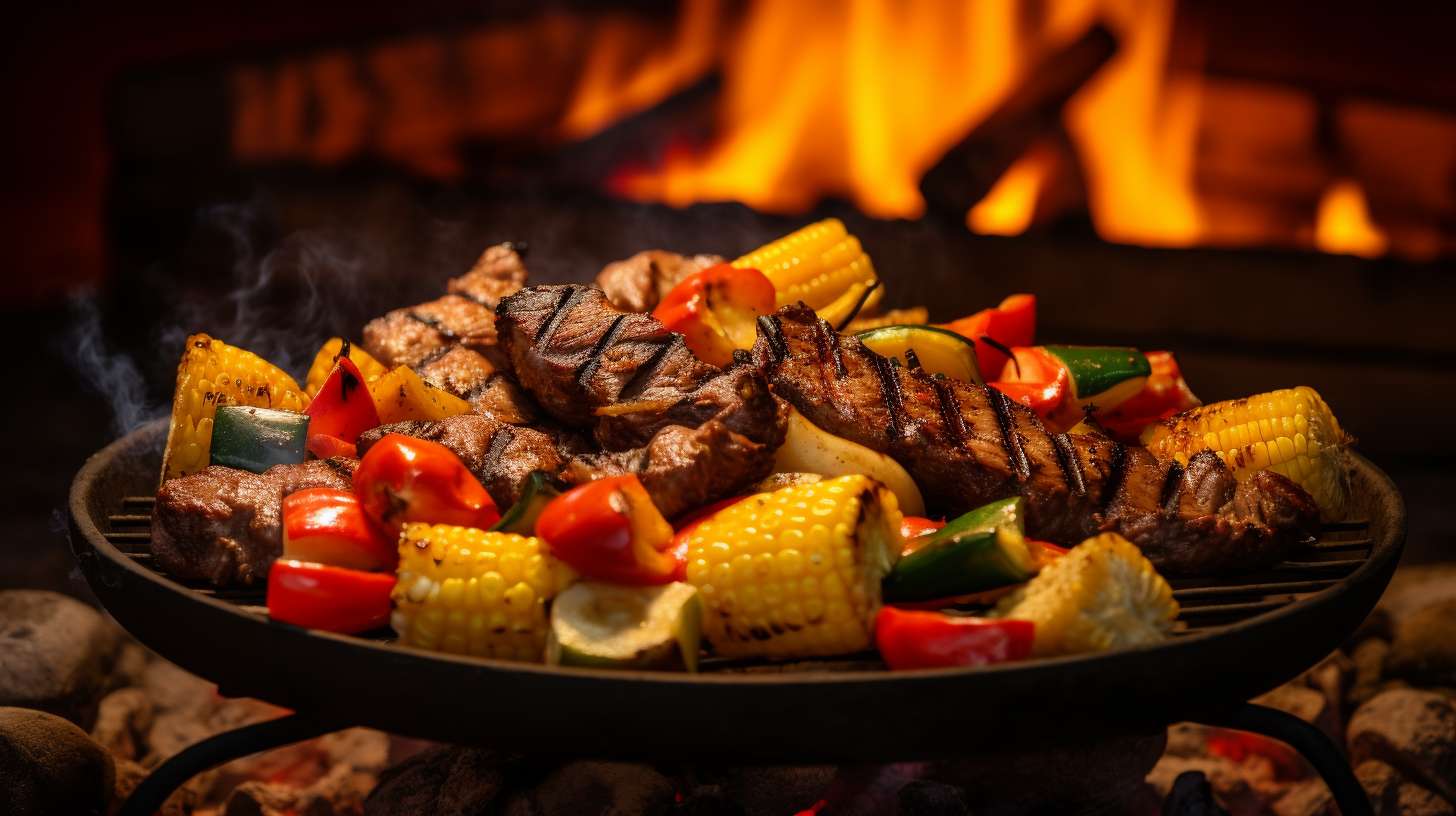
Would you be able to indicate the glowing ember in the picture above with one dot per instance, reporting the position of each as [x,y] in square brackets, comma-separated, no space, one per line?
[1343,225]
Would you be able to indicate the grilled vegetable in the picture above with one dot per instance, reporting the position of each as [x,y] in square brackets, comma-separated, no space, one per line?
[913,316]
[329,598]
[917,527]
[933,640]
[609,530]
[1290,431]
[1163,395]
[1102,595]
[1013,323]
[980,550]
[468,591]
[256,439]
[520,518]
[714,309]
[808,448]
[610,626]
[329,355]
[340,410]
[329,527]
[938,351]
[401,395]
[212,373]
[819,264]
[402,479]
[1062,384]
[796,572]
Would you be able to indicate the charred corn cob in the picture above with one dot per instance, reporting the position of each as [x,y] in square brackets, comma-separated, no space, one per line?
[328,355]
[821,264]
[212,373]
[469,591]
[1290,431]
[1104,594]
[796,572]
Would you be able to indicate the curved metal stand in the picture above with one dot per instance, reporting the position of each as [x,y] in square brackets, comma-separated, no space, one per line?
[153,791]
[1322,753]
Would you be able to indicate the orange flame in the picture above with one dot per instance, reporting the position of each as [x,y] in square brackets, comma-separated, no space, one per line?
[1343,225]
[1011,204]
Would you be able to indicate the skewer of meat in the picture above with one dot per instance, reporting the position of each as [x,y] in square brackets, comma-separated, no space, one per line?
[966,445]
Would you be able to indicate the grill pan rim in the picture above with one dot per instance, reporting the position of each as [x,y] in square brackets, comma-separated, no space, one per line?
[101,560]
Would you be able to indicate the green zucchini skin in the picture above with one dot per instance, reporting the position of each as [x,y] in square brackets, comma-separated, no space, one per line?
[1098,369]
[980,550]
[256,439]
[520,518]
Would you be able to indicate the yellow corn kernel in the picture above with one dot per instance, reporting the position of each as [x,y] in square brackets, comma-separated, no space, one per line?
[211,374]
[401,395]
[1104,594]
[1290,431]
[796,572]
[328,355]
[817,264]
[452,595]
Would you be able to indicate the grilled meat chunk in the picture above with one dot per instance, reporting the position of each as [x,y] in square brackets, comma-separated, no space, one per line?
[225,526]
[497,273]
[693,431]
[500,455]
[966,445]
[470,376]
[638,283]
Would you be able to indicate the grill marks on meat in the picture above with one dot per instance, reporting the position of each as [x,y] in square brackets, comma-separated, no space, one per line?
[500,455]
[470,376]
[639,283]
[966,445]
[225,526]
[692,431]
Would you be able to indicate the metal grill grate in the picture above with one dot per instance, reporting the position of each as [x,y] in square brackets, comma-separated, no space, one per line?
[1206,604]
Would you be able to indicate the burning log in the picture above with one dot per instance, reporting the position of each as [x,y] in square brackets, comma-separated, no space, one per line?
[968,170]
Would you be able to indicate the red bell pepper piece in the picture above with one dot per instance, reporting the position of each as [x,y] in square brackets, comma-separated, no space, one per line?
[1039,381]
[910,639]
[330,598]
[342,408]
[324,446]
[716,309]
[1013,323]
[611,531]
[328,526]
[1164,394]
[913,527]
[402,479]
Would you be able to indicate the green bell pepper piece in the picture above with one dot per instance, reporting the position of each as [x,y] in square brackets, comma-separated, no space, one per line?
[980,550]
[1098,369]
[258,438]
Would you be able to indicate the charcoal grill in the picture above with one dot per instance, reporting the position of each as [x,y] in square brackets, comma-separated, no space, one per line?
[1236,638]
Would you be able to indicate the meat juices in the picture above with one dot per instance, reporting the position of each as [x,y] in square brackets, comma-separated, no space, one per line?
[966,445]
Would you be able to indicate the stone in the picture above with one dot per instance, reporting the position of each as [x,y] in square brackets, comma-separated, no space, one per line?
[50,766]
[1424,649]
[122,721]
[1412,730]
[129,774]
[1104,774]
[774,788]
[605,788]
[1307,704]
[1391,794]
[1229,785]
[443,781]
[1187,739]
[56,654]
[1369,659]
[926,797]
[1309,797]
[1417,586]
[1192,795]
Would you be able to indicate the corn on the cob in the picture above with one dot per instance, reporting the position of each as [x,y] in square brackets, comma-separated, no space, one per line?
[212,373]
[469,591]
[1290,431]
[796,572]
[328,355]
[1104,594]
[818,265]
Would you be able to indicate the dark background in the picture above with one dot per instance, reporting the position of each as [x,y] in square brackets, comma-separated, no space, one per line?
[128,227]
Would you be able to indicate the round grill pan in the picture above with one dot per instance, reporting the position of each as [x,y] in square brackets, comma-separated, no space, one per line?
[1237,638]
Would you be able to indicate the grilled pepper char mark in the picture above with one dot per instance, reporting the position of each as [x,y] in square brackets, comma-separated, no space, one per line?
[967,446]
[692,432]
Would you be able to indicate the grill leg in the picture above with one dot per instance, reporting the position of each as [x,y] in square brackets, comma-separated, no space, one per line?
[1324,755]
[153,791]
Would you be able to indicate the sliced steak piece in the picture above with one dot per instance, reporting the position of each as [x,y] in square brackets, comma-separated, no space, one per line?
[224,526]
[638,283]
[497,273]
[409,336]
[470,376]
[966,445]
[632,382]
[500,455]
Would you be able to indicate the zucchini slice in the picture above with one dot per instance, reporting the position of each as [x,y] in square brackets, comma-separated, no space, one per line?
[980,550]
[520,518]
[626,627]
[938,351]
